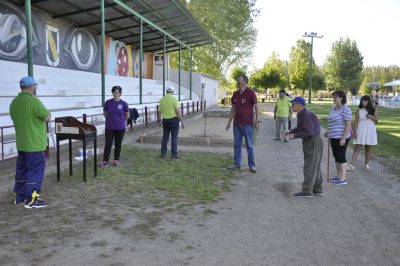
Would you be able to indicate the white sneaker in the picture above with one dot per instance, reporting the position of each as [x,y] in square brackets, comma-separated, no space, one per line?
[350,167]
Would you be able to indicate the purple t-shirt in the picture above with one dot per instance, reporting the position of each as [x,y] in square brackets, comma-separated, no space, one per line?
[116,110]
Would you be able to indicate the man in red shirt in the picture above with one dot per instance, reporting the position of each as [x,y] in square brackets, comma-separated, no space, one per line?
[244,105]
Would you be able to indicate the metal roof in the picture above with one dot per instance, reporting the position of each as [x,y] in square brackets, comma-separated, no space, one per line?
[170,15]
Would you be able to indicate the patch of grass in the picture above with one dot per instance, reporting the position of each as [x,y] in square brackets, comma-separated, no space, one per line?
[388,129]
[195,177]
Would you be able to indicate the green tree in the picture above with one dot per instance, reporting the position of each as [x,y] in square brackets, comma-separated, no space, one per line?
[231,25]
[299,65]
[235,72]
[262,79]
[274,65]
[380,74]
[272,76]
[344,66]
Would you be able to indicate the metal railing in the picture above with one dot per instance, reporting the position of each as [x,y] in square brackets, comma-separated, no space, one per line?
[147,116]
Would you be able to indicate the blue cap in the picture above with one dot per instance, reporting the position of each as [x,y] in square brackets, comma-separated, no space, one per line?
[26,82]
[299,100]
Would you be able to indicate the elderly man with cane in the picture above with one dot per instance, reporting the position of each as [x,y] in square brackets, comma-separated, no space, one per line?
[308,129]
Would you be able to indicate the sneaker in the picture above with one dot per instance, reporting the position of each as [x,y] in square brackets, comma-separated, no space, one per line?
[315,193]
[116,163]
[163,156]
[301,194]
[36,204]
[339,182]
[104,163]
[366,167]
[334,178]
[276,139]
[253,169]
[350,167]
[233,167]
[175,157]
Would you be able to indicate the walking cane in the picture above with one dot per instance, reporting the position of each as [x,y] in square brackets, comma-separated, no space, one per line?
[327,170]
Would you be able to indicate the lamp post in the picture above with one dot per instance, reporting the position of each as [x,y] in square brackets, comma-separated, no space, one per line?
[311,35]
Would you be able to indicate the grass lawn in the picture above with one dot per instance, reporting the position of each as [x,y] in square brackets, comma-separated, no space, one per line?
[195,178]
[388,128]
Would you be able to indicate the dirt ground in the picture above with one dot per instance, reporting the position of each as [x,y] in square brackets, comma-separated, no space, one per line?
[258,223]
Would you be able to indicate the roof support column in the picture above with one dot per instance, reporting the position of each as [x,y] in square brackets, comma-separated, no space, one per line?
[190,73]
[141,62]
[164,63]
[179,72]
[102,41]
[28,15]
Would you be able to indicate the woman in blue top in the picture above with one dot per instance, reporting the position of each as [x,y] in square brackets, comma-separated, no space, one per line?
[116,112]
[339,123]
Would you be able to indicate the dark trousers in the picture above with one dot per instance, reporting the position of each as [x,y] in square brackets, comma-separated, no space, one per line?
[339,152]
[116,137]
[170,127]
[29,174]
[312,149]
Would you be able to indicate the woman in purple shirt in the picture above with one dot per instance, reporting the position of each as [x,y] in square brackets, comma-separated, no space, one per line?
[116,112]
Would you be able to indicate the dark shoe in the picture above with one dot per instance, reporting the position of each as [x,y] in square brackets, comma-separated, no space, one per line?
[104,164]
[175,157]
[233,167]
[253,169]
[277,139]
[163,157]
[301,194]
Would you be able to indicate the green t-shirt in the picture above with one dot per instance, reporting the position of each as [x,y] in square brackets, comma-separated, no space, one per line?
[168,105]
[282,107]
[28,114]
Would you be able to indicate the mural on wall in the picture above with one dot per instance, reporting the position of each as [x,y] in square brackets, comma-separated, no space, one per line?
[57,43]
[123,60]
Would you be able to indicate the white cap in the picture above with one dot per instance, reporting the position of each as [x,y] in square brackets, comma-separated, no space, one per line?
[170,88]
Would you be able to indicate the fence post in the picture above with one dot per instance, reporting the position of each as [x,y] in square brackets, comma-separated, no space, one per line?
[197,106]
[146,119]
[201,105]
[158,110]
[193,107]
[205,105]
[187,107]
[182,109]
[84,117]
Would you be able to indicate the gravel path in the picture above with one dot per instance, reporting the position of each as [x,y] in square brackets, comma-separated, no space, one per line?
[261,223]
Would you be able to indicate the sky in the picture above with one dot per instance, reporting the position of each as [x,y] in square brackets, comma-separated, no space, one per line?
[373,24]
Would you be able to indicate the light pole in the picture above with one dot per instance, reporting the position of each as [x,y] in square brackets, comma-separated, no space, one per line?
[311,35]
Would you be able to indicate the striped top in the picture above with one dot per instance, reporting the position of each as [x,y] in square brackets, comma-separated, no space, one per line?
[337,121]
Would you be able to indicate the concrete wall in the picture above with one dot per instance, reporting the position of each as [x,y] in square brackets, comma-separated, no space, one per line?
[209,91]
[74,92]
[205,87]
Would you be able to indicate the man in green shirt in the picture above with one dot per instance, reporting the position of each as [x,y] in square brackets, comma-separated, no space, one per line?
[282,114]
[29,116]
[169,110]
